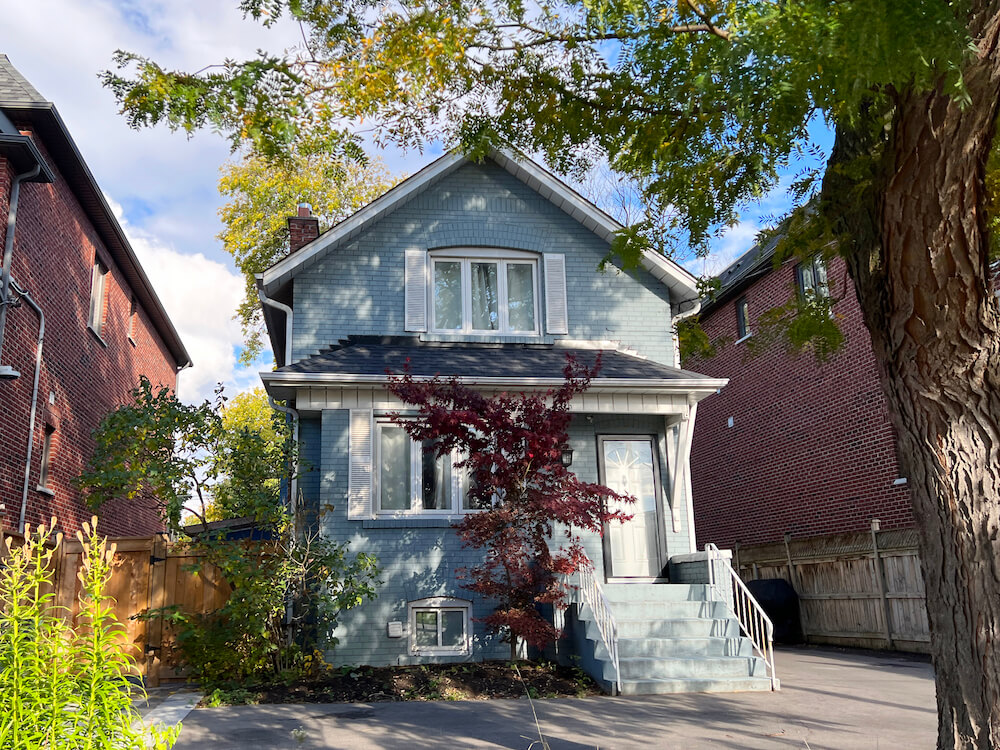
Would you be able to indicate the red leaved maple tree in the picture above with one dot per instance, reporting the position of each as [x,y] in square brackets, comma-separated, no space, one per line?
[532,507]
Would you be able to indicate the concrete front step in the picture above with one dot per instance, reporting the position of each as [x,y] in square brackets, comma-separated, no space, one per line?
[679,627]
[668,610]
[665,648]
[695,685]
[655,592]
[692,667]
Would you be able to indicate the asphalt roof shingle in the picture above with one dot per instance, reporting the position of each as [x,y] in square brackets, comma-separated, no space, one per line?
[14,87]
[370,355]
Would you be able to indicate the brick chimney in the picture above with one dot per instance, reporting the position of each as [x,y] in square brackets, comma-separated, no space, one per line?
[302,229]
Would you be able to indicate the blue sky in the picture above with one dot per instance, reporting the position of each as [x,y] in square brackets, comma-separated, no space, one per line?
[163,184]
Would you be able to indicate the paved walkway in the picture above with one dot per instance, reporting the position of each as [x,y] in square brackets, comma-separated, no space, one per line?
[829,699]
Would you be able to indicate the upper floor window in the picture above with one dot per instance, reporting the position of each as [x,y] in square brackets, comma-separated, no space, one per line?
[811,275]
[98,295]
[484,292]
[133,311]
[412,480]
[742,318]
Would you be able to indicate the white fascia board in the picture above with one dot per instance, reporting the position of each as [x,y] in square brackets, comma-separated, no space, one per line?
[679,280]
[687,385]
[283,270]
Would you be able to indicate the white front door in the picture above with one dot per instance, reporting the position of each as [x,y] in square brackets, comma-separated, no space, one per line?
[629,468]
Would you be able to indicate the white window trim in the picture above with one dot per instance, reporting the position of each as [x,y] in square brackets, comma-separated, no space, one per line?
[440,604]
[459,482]
[503,258]
[98,297]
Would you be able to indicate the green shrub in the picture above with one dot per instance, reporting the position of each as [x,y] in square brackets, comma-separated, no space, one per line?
[63,688]
[286,597]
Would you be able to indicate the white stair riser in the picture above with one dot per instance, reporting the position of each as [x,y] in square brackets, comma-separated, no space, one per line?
[663,687]
[667,610]
[681,628]
[657,592]
[681,668]
[665,648]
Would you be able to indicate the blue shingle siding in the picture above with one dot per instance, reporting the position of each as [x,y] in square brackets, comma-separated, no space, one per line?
[421,558]
[358,289]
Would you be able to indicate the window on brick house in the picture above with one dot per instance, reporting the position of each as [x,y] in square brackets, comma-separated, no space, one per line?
[132,313]
[440,625]
[742,318]
[43,472]
[811,276]
[98,295]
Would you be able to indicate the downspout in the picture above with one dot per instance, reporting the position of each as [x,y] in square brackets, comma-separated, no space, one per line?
[6,371]
[677,319]
[34,399]
[293,482]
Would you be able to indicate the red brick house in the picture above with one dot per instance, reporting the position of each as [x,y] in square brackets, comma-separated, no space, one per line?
[104,327]
[791,446]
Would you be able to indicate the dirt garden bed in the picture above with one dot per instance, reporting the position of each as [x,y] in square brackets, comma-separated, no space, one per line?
[472,681]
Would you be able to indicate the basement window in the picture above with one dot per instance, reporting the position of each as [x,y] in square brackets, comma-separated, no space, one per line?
[440,625]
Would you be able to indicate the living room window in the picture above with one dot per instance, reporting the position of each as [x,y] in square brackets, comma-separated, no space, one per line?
[811,275]
[490,292]
[411,480]
[440,625]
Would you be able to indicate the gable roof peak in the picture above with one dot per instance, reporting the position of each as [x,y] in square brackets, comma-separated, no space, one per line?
[682,283]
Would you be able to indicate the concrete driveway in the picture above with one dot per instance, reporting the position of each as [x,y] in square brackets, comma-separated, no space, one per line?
[829,699]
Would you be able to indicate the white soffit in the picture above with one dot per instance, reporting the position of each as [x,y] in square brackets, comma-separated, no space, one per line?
[681,283]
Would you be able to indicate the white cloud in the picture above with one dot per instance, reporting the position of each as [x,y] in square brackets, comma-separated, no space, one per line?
[200,295]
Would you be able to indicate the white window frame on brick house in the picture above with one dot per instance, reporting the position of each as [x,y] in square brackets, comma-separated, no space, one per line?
[457,491]
[811,277]
[503,259]
[742,320]
[438,605]
[98,297]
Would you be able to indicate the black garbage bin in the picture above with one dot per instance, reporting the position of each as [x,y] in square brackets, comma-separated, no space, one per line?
[781,603]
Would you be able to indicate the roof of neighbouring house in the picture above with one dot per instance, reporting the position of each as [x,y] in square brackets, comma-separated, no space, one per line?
[750,266]
[21,101]
[371,358]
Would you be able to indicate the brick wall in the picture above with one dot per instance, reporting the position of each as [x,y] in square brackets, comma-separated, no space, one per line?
[811,450]
[82,376]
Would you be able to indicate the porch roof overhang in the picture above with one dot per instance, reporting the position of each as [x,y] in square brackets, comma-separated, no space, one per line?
[368,363]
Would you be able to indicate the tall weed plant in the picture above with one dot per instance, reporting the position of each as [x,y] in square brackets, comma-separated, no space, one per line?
[65,688]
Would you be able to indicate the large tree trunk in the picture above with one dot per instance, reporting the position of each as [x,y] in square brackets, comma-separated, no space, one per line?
[918,253]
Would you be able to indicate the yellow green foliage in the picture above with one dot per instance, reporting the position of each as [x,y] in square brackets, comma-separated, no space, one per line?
[262,194]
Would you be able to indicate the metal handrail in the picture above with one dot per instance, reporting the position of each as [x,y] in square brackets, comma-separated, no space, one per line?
[593,596]
[754,622]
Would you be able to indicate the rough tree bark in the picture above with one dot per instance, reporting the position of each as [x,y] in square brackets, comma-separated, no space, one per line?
[918,252]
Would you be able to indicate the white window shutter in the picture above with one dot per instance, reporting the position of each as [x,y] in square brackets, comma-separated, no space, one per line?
[556,316]
[416,290]
[359,493]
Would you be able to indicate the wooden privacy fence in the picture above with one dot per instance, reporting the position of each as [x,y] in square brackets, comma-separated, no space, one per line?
[863,589]
[148,573]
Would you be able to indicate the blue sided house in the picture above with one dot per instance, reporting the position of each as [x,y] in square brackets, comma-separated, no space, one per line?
[488,272]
